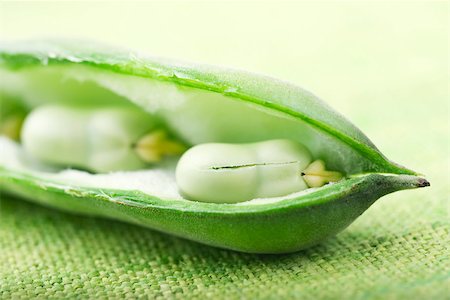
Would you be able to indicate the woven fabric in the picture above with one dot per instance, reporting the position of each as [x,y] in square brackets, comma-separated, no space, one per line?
[382,65]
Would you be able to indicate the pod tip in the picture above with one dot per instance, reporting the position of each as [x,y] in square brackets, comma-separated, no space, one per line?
[422,182]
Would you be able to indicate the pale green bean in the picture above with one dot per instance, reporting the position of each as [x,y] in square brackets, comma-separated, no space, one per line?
[228,173]
[100,140]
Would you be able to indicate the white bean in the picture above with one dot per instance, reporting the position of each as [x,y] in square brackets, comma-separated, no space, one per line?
[96,139]
[227,173]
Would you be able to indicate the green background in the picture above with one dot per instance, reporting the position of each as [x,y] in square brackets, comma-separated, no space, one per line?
[383,65]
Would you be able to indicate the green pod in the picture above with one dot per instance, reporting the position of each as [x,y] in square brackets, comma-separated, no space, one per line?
[198,104]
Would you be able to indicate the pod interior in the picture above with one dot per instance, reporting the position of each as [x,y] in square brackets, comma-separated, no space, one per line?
[193,115]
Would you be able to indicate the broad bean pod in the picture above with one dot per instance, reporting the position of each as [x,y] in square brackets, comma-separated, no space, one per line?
[250,136]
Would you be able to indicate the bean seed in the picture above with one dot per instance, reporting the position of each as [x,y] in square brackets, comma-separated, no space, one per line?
[99,140]
[228,173]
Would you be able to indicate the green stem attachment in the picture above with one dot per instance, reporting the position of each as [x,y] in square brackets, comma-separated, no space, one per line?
[315,175]
[153,146]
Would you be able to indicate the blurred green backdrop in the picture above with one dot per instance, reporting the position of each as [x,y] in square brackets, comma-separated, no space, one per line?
[383,65]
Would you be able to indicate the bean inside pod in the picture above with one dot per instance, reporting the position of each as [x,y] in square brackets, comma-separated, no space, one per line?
[224,157]
[240,172]
[96,139]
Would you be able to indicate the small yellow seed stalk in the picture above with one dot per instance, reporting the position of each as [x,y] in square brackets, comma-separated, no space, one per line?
[153,146]
[11,126]
[315,175]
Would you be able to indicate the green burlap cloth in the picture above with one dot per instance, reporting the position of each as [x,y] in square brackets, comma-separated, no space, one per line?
[385,66]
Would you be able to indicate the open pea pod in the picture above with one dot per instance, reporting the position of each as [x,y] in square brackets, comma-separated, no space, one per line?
[196,104]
